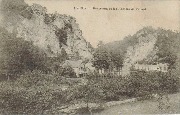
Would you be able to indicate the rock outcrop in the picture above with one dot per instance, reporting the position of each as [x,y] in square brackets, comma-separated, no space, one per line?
[50,32]
[140,51]
[148,46]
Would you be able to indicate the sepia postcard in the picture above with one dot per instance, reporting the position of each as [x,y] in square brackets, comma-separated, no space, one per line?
[89,57]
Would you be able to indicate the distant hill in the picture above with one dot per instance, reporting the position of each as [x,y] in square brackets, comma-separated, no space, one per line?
[148,46]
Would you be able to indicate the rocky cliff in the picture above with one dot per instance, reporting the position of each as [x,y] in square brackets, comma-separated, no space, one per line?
[50,32]
[154,46]
[148,46]
[141,50]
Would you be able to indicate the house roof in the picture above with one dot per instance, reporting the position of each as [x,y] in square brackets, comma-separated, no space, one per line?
[72,63]
[89,66]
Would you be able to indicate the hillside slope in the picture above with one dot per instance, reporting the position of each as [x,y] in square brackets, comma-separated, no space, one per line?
[148,46]
[50,32]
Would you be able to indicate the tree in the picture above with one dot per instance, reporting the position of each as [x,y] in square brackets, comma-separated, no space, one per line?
[117,60]
[101,60]
[19,55]
[68,71]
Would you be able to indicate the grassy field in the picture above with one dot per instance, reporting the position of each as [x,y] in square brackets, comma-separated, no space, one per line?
[145,107]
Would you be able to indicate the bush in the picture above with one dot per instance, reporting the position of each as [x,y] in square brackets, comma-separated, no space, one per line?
[138,84]
[38,93]
[32,93]
[153,82]
[19,55]
[68,72]
[111,87]
[49,18]
[24,101]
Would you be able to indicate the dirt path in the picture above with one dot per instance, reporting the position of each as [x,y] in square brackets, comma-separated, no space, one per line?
[145,107]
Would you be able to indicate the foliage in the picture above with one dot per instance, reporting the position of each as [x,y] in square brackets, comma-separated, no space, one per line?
[62,36]
[117,60]
[101,60]
[167,50]
[153,82]
[68,26]
[112,87]
[138,84]
[68,72]
[49,18]
[19,55]
[38,93]
[107,60]
[32,93]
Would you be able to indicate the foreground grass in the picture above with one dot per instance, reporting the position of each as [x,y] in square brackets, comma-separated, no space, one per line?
[145,107]
[38,93]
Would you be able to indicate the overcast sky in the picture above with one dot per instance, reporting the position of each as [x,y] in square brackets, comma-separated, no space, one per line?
[111,26]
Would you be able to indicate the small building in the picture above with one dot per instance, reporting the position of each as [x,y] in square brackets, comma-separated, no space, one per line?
[101,71]
[89,67]
[81,69]
[163,67]
[116,71]
[76,65]
[113,70]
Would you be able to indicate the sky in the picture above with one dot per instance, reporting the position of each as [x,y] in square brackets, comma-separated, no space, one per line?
[109,26]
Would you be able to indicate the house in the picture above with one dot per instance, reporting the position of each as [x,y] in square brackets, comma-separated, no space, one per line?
[81,69]
[113,70]
[76,65]
[163,67]
[116,71]
[101,71]
[89,67]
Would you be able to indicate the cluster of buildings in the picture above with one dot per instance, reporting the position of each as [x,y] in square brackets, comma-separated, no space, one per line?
[163,67]
[82,69]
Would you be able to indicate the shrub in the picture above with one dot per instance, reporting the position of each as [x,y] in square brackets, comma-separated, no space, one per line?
[138,84]
[31,102]
[153,82]
[111,87]
[68,72]
[32,93]
[19,55]
[49,18]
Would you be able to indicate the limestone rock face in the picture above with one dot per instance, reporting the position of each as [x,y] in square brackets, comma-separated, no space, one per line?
[140,51]
[34,24]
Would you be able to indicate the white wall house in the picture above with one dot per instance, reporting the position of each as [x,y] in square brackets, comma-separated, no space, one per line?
[114,71]
[163,67]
